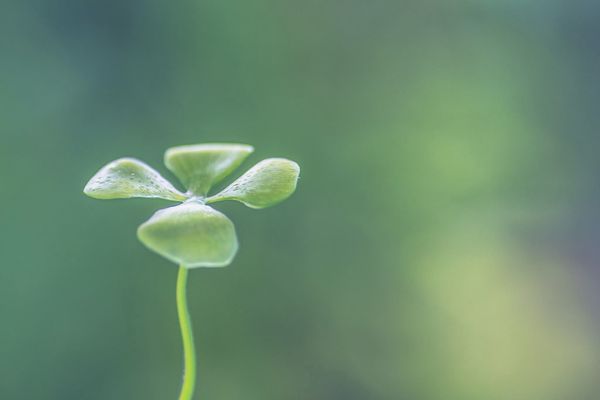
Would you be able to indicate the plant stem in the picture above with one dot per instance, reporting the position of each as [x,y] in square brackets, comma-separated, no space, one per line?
[185,323]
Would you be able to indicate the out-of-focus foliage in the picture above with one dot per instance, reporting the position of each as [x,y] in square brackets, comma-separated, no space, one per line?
[442,243]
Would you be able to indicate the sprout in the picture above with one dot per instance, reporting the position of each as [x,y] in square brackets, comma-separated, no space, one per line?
[193,234]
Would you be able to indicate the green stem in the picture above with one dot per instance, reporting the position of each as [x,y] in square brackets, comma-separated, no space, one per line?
[189,353]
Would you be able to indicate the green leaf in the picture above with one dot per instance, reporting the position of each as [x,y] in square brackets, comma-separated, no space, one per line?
[201,166]
[267,183]
[128,177]
[191,234]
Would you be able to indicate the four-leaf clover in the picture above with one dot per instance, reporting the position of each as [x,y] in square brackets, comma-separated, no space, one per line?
[193,234]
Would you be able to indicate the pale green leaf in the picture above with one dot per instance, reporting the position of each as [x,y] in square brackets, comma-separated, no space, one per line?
[267,183]
[201,166]
[191,234]
[128,177]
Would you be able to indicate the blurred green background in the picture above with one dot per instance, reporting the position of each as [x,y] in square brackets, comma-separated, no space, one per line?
[442,244]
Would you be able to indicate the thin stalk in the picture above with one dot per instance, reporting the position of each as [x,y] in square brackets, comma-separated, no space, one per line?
[185,323]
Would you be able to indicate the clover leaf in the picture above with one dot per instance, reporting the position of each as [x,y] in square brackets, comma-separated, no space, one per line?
[201,166]
[128,177]
[191,234]
[267,183]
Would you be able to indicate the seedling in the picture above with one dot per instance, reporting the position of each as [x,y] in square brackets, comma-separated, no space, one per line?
[193,234]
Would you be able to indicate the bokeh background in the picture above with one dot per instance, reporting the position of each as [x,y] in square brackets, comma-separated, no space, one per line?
[443,242]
